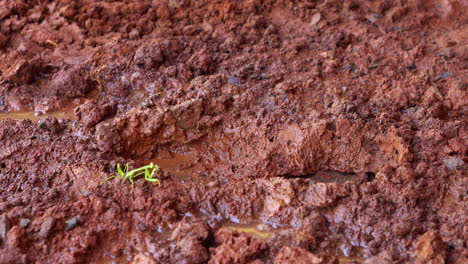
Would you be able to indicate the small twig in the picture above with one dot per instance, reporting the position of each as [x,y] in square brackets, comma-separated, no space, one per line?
[129,61]
[53,43]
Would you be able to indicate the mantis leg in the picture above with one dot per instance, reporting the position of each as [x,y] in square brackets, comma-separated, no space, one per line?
[149,176]
[111,177]
[136,175]
[132,183]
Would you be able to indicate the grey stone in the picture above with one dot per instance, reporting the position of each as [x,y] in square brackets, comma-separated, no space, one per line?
[453,163]
[24,222]
[446,75]
[72,223]
[4,228]
[234,80]
[47,227]
[373,18]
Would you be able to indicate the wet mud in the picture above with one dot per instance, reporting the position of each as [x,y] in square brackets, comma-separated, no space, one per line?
[285,131]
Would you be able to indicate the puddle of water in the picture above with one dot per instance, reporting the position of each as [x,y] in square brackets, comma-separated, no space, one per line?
[137,96]
[34,117]
[142,98]
[177,165]
[258,230]
[346,252]
[343,259]
[182,167]
[149,241]
[66,112]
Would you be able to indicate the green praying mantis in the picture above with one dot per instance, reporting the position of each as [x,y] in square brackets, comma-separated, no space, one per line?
[124,174]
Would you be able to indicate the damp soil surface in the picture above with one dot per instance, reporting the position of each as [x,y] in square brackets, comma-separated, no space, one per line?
[286,131]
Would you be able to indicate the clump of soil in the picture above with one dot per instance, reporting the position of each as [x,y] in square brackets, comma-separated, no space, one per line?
[286,131]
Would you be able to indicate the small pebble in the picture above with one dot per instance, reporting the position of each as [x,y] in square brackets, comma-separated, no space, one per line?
[141,228]
[24,222]
[446,75]
[315,18]
[234,80]
[47,227]
[72,223]
[374,17]
[453,163]
[4,228]
[409,110]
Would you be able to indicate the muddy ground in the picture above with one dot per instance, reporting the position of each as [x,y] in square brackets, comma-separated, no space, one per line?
[286,131]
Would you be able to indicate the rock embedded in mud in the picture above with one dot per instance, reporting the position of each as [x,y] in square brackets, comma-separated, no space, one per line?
[446,75]
[188,113]
[296,255]
[234,80]
[51,124]
[24,222]
[72,223]
[315,18]
[47,227]
[454,163]
[4,228]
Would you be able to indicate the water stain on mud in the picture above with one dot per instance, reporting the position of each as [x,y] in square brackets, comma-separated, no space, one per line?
[257,230]
[67,113]
[183,167]
[33,116]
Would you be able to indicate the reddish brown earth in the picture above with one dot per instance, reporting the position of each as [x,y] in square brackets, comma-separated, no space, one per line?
[287,131]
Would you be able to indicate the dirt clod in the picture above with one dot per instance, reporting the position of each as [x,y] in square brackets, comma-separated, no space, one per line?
[296,255]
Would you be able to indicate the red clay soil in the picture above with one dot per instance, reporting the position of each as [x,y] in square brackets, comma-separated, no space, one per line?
[287,131]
